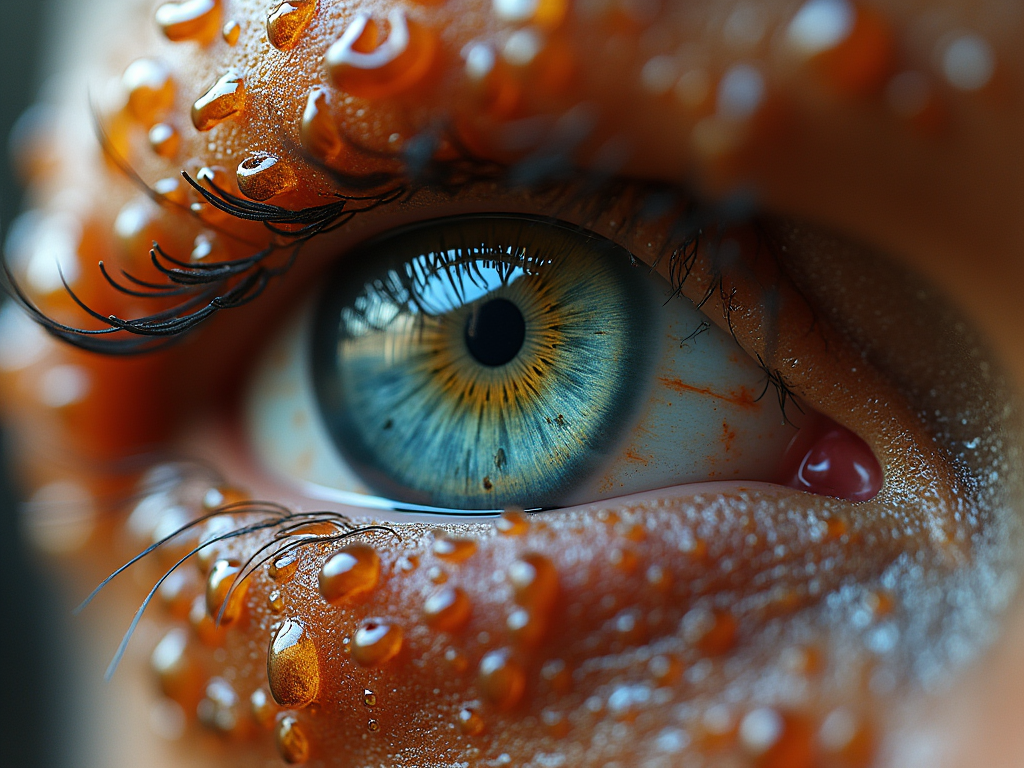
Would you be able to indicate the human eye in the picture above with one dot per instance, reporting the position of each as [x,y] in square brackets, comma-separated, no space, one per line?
[746,623]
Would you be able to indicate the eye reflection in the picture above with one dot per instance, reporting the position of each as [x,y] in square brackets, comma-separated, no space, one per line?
[483,361]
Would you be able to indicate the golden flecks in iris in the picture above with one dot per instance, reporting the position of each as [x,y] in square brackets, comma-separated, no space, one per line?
[287,22]
[848,44]
[292,742]
[360,64]
[501,679]
[282,567]
[231,32]
[262,708]
[225,99]
[317,131]
[453,550]
[376,642]
[513,522]
[225,591]
[470,721]
[150,90]
[447,609]
[264,176]
[351,572]
[195,20]
[165,140]
[293,666]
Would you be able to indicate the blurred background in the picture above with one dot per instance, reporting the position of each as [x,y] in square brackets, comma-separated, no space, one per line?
[37,686]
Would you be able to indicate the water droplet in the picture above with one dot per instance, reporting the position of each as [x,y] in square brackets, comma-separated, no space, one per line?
[447,610]
[369,698]
[968,62]
[624,559]
[376,642]
[373,726]
[711,632]
[843,735]
[555,722]
[178,675]
[222,495]
[262,708]
[526,628]
[534,581]
[317,131]
[666,669]
[292,742]
[512,522]
[189,20]
[218,708]
[453,550]
[275,601]
[209,633]
[556,673]
[164,140]
[350,572]
[288,21]
[221,586]
[470,722]
[361,65]
[501,679]
[174,191]
[150,90]
[231,32]
[456,660]
[177,593]
[436,575]
[208,247]
[282,567]
[225,99]
[293,666]
[264,176]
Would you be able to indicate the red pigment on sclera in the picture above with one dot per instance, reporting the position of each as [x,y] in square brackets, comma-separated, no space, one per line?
[828,459]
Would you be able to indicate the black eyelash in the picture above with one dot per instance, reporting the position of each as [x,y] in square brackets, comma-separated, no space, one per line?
[206,289]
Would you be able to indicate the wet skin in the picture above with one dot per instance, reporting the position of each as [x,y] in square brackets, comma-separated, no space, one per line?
[732,624]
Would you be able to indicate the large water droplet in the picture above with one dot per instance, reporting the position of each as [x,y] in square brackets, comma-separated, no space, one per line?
[287,22]
[293,666]
[282,567]
[225,99]
[150,90]
[350,572]
[264,176]
[223,585]
[178,675]
[231,31]
[501,679]
[359,65]
[376,642]
[189,20]
[453,550]
[447,609]
[291,739]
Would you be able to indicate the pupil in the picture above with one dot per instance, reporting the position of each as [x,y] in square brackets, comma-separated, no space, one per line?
[495,332]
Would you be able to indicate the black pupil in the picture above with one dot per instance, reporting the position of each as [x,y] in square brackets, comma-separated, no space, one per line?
[495,332]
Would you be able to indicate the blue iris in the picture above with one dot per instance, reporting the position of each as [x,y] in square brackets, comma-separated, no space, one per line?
[482,361]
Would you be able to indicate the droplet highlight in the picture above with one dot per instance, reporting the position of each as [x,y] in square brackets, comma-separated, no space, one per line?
[376,642]
[195,20]
[231,32]
[287,22]
[225,592]
[150,89]
[470,722]
[501,679]
[282,567]
[349,573]
[447,610]
[293,666]
[224,100]
[512,523]
[453,550]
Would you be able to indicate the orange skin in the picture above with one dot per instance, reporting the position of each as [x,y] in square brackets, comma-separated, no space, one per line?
[666,620]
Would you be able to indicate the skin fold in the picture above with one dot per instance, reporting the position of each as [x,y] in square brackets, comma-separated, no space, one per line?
[731,624]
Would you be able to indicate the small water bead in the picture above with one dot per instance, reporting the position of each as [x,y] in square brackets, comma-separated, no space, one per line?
[556,674]
[217,710]
[208,247]
[317,131]
[436,575]
[174,668]
[361,65]
[548,14]
[534,581]
[177,592]
[293,666]
[513,522]
[189,20]
[666,669]
[373,726]
[287,22]
[349,573]
[501,679]
[470,722]
[526,628]
[292,742]
[282,567]
[225,594]
[376,642]
[164,140]
[447,610]
[209,633]
[222,495]
[369,698]
[275,601]
[150,89]
[624,559]
[231,32]
[225,99]
[262,708]
[264,176]
[174,190]
[456,660]
[453,550]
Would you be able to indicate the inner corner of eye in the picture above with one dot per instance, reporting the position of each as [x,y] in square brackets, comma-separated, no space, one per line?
[484,361]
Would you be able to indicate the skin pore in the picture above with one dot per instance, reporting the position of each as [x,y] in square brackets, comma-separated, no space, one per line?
[737,624]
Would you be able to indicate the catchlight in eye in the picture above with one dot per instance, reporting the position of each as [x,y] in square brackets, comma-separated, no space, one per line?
[484,361]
